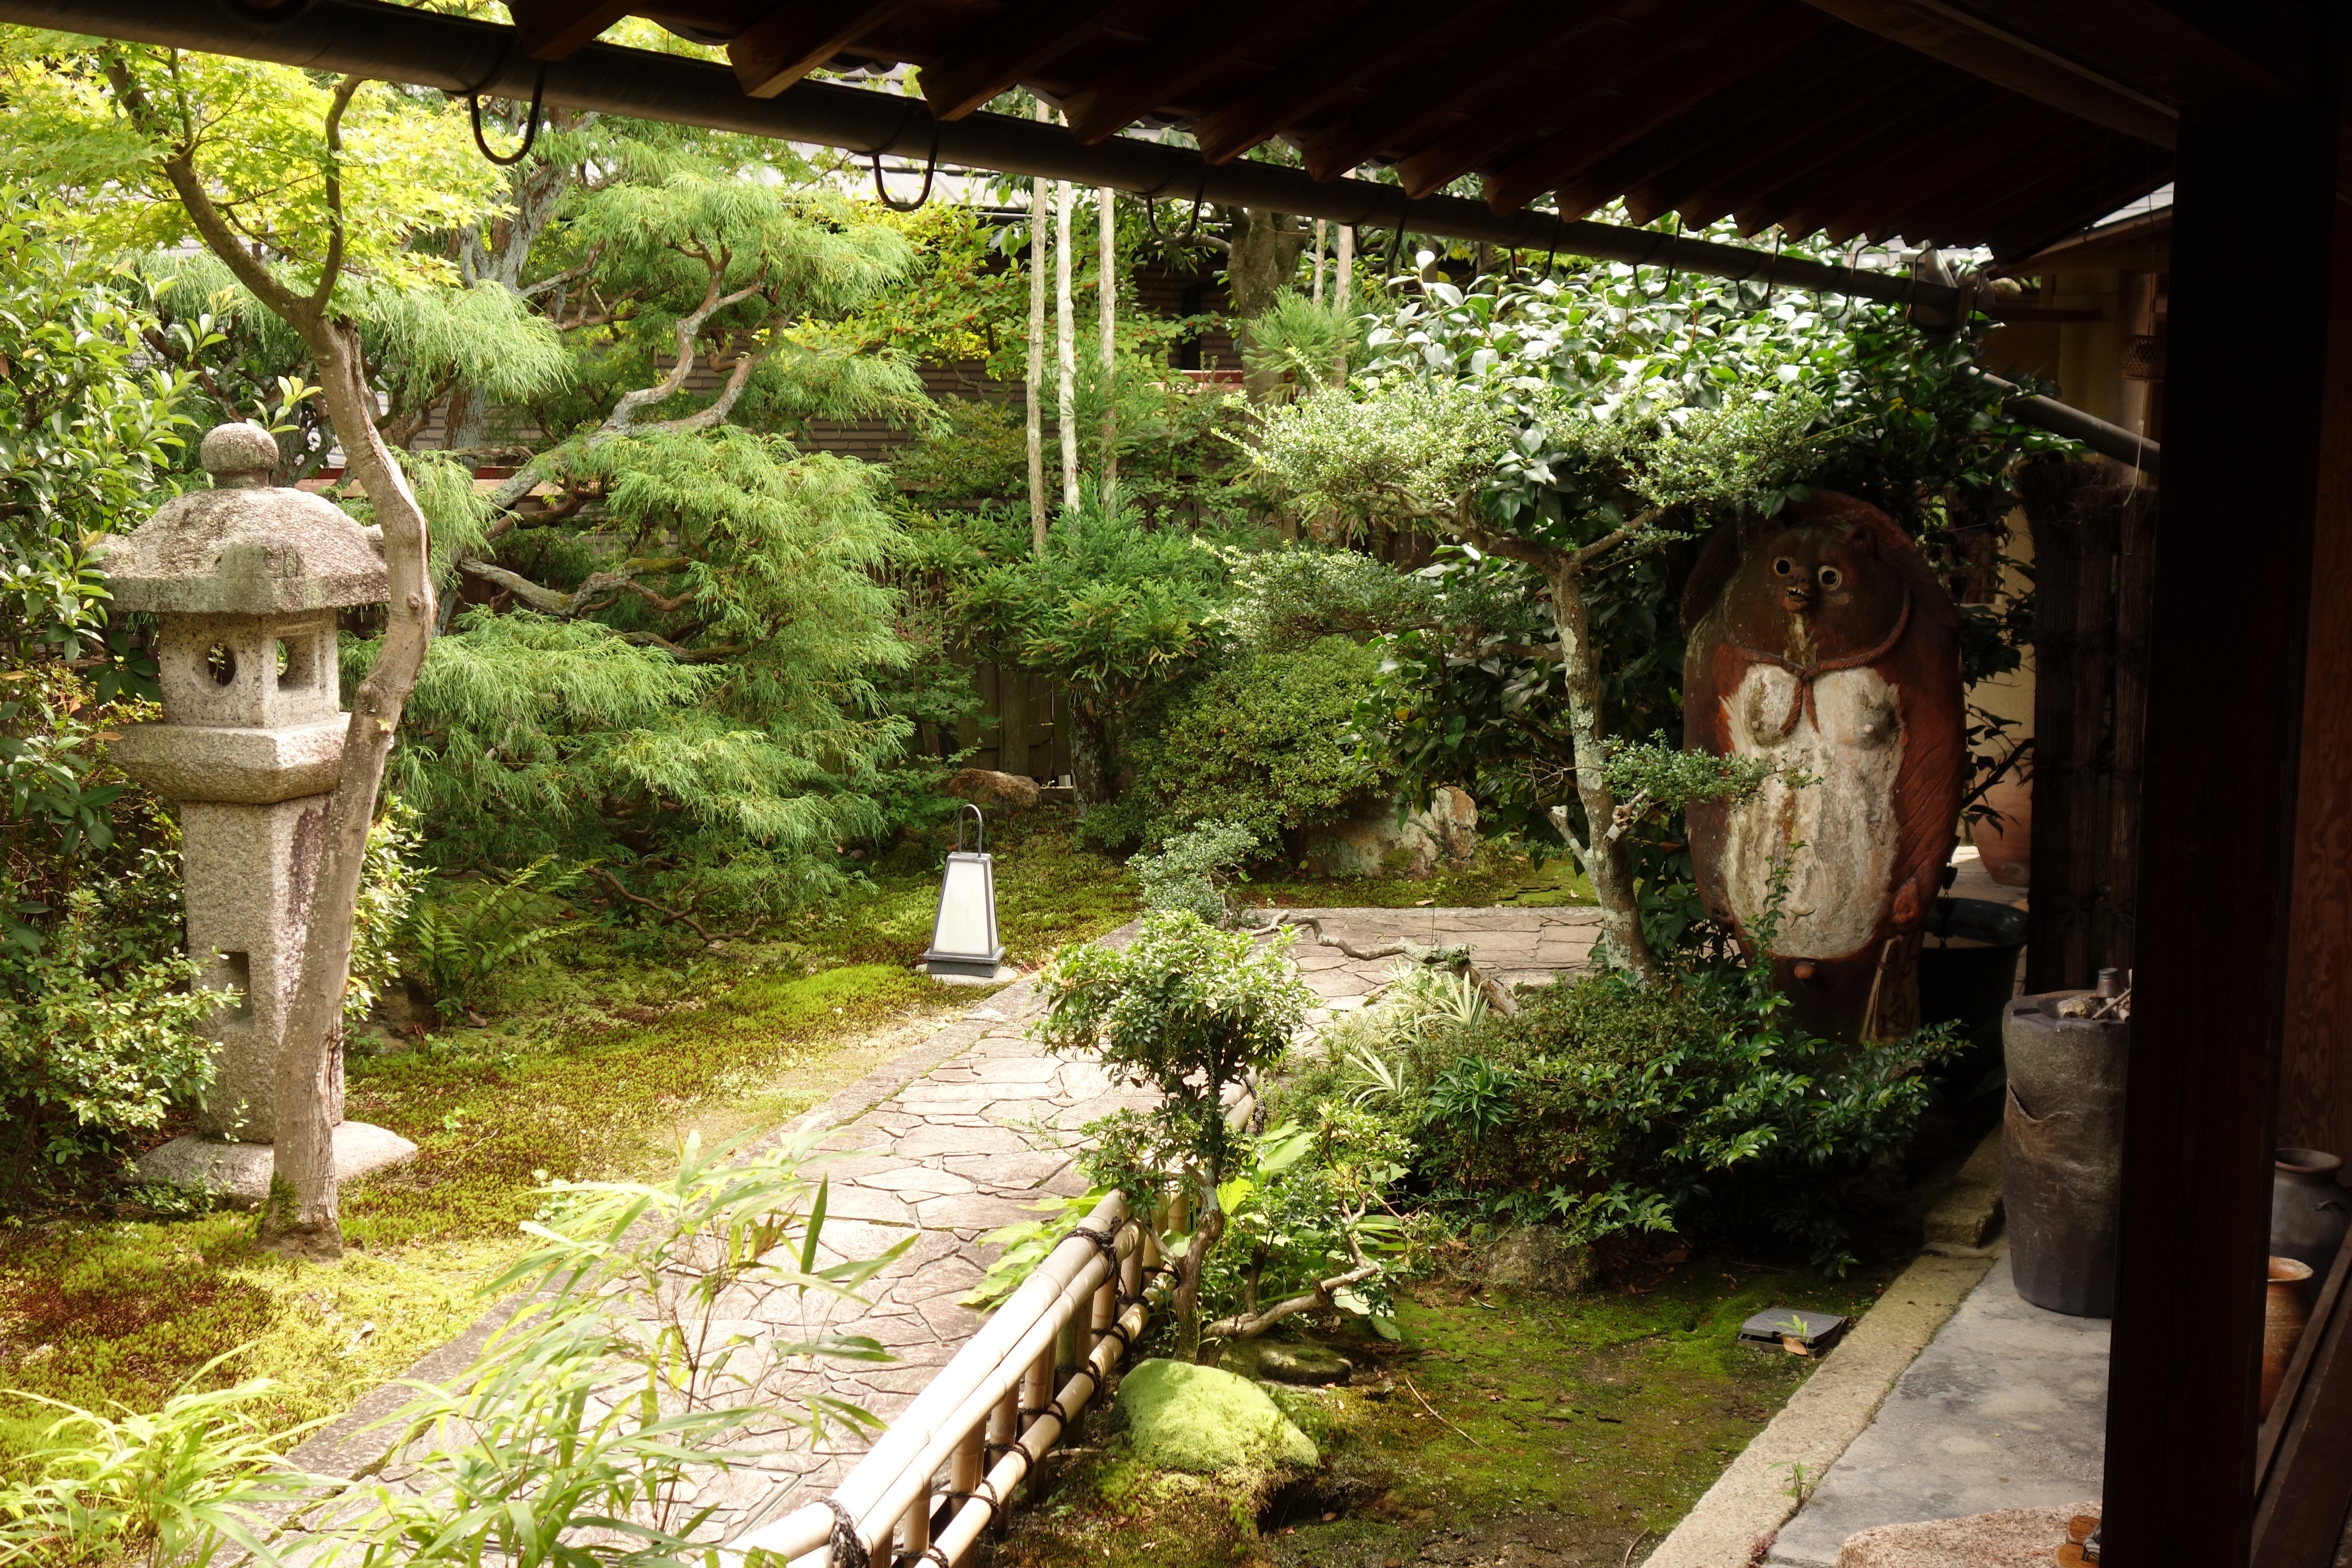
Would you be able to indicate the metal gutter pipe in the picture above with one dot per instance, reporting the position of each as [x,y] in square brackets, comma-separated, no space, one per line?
[460,55]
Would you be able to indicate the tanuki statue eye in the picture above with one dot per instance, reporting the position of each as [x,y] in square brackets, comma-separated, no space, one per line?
[1831,577]
[1784,566]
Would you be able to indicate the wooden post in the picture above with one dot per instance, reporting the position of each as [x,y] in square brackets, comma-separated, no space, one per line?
[883,1551]
[2134,592]
[2225,696]
[2088,783]
[2049,490]
[1012,720]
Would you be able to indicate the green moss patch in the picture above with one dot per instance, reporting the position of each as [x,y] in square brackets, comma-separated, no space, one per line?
[1560,1428]
[105,1313]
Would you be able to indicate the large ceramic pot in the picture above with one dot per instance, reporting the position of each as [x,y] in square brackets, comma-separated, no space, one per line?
[2005,847]
[2284,1313]
[2061,1152]
[2310,1210]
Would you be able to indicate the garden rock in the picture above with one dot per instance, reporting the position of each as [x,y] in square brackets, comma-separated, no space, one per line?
[237,1175]
[992,791]
[1302,1364]
[1373,841]
[1537,1258]
[1185,1417]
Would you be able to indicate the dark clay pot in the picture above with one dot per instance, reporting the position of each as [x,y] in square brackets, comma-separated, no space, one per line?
[2061,1152]
[2310,1210]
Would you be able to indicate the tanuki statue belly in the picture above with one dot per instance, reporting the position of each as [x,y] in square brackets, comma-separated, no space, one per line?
[1823,641]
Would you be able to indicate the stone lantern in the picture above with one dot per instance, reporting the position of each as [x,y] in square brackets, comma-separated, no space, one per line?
[244,580]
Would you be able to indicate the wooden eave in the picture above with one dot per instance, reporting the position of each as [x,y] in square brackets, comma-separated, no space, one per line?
[2008,124]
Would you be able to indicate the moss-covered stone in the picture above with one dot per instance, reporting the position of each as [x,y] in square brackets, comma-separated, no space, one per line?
[1303,1362]
[1203,1420]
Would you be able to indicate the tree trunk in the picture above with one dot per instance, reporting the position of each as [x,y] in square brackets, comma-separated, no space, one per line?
[1345,267]
[1065,343]
[1090,750]
[305,1223]
[1107,302]
[1605,861]
[1186,1301]
[1263,262]
[300,1217]
[1040,221]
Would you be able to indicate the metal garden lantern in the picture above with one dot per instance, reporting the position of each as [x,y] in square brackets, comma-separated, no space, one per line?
[964,937]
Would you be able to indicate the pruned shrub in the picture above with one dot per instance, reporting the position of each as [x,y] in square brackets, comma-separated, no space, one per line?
[1267,743]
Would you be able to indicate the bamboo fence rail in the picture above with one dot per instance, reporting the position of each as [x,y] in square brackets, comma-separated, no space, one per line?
[993,1412]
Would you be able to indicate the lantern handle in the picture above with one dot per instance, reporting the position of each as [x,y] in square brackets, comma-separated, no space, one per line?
[979,817]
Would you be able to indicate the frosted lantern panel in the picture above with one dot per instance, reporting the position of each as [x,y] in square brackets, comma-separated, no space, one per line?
[967,916]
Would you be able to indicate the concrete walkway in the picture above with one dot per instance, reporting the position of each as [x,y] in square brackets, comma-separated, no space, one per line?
[2005,1409]
[968,1131]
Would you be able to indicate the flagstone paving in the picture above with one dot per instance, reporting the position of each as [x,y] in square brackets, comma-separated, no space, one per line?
[968,1131]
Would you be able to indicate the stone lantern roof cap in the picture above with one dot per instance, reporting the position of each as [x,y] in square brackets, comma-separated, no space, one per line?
[245,547]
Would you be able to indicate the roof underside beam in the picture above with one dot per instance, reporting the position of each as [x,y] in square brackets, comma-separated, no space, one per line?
[459,54]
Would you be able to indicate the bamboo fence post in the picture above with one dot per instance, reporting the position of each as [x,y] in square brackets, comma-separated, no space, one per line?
[916,1526]
[882,1551]
[970,1462]
[1036,1389]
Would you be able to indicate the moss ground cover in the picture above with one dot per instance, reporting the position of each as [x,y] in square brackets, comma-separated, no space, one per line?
[1520,1428]
[596,1064]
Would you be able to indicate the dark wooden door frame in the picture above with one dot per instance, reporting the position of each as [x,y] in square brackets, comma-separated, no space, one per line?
[2246,377]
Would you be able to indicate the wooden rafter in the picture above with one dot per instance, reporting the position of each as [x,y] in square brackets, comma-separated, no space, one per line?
[1940,111]
[998,54]
[1443,87]
[1656,175]
[1911,182]
[1390,36]
[1608,54]
[1916,154]
[2209,53]
[2062,211]
[1208,40]
[793,40]
[2027,177]
[2007,59]
[1701,65]
[554,29]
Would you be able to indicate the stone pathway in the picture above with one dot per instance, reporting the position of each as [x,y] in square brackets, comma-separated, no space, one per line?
[2007,1408]
[966,1131]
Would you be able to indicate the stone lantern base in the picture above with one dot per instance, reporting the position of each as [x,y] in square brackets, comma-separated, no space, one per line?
[239,1174]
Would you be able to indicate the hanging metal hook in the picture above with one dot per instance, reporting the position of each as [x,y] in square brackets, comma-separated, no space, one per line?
[982,835]
[529,130]
[930,169]
[1199,190]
